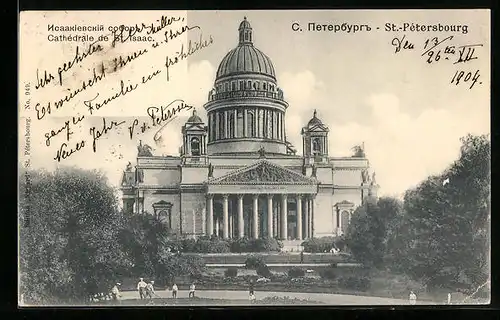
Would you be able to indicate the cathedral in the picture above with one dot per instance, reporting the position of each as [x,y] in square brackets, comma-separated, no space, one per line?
[238,175]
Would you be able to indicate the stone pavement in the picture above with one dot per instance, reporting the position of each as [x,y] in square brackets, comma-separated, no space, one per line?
[324,298]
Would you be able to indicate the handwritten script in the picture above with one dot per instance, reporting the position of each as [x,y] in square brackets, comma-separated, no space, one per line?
[438,50]
[94,91]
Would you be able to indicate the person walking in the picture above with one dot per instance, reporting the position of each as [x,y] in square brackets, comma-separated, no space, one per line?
[251,292]
[150,290]
[141,287]
[174,291]
[115,293]
[191,290]
[413,298]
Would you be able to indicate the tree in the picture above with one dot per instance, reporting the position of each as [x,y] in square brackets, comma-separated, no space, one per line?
[447,221]
[371,229]
[69,222]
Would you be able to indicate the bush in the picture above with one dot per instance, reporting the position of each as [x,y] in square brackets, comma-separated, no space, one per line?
[256,245]
[267,245]
[231,272]
[329,273]
[188,245]
[254,262]
[211,246]
[263,271]
[242,245]
[323,244]
[295,272]
[355,283]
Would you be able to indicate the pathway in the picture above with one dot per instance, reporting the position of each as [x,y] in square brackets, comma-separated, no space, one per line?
[325,298]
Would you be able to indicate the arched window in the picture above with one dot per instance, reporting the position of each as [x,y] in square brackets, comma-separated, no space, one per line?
[249,83]
[242,85]
[250,124]
[246,35]
[239,123]
[264,86]
[316,146]
[195,147]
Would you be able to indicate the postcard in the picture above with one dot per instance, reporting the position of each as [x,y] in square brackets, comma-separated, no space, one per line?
[277,157]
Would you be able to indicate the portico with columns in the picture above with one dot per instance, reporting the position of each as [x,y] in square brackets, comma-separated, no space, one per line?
[262,200]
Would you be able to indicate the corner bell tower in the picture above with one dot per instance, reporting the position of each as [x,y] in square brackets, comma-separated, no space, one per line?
[315,140]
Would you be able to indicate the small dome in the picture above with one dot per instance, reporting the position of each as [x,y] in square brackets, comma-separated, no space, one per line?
[245,24]
[314,120]
[194,118]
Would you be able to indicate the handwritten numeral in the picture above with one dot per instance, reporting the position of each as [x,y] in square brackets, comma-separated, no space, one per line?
[431,55]
[461,76]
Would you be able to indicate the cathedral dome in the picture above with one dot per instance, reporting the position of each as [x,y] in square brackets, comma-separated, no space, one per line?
[245,58]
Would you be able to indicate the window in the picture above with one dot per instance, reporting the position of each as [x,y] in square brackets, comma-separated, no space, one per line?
[226,87]
[195,147]
[264,86]
[242,85]
[344,219]
[250,124]
[221,124]
[246,35]
[233,86]
[316,146]
[249,84]
[239,123]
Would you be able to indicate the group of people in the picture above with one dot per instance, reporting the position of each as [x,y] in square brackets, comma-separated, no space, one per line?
[148,291]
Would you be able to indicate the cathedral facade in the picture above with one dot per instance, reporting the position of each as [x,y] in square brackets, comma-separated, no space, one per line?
[238,176]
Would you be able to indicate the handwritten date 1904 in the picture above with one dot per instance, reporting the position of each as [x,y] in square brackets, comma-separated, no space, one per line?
[463,77]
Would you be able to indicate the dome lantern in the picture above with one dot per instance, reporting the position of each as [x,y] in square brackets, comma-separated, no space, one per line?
[245,31]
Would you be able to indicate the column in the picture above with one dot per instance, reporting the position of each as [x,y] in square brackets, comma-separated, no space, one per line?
[210,211]
[306,220]
[217,227]
[230,233]
[270,215]
[245,126]
[299,217]
[226,135]
[311,217]
[256,121]
[225,217]
[255,217]
[241,229]
[340,222]
[235,122]
[284,213]
[217,124]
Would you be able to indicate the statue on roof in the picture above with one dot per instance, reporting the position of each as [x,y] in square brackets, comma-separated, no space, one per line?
[365,176]
[144,150]
[359,151]
[210,170]
[374,182]
[262,152]
[129,167]
[314,169]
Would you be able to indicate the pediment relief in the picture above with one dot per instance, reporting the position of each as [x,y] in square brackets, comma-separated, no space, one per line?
[344,204]
[264,172]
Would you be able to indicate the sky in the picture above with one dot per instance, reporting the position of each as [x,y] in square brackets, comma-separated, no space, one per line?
[406,111]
